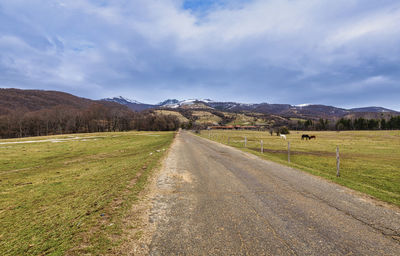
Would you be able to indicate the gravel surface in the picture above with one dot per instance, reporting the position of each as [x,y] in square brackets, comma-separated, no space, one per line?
[216,200]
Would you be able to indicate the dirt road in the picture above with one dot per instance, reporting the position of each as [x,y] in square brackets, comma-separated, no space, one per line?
[216,200]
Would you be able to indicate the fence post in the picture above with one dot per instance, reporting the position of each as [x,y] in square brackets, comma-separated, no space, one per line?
[337,162]
[245,141]
[229,139]
[288,151]
[209,135]
[262,147]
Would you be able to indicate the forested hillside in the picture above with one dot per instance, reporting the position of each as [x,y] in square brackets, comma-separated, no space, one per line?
[34,113]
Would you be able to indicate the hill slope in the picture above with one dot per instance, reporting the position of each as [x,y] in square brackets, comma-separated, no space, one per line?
[33,100]
[132,104]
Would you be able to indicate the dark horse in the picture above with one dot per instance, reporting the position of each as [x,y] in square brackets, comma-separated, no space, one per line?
[305,136]
[312,137]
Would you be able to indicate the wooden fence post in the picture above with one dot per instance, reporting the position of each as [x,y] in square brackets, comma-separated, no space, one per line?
[245,141]
[337,162]
[229,139]
[262,147]
[288,151]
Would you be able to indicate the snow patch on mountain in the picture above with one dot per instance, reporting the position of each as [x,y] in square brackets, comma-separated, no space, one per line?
[122,100]
[173,103]
[303,105]
[193,101]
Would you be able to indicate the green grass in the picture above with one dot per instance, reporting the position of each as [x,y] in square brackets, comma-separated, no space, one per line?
[370,160]
[70,197]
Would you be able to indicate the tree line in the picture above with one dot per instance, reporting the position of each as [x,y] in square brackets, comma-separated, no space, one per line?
[320,125]
[368,124]
[97,117]
[393,123]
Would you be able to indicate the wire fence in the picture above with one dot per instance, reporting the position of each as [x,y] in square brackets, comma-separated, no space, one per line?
[364,160]
[283,150]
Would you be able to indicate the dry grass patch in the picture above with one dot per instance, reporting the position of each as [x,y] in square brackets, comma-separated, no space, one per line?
[204,117]
[181,118]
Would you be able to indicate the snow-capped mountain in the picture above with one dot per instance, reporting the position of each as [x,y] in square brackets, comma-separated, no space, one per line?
[168,102]
[174,103]
[301,110]
[122,100]
[132,104]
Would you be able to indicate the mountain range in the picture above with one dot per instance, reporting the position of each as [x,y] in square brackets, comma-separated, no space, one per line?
[200,110]
[286,110]
[38,112]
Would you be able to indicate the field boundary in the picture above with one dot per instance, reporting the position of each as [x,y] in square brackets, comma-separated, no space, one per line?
[137,240]
[251,153]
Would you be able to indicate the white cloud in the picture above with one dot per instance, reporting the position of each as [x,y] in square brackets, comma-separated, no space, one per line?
[156,45]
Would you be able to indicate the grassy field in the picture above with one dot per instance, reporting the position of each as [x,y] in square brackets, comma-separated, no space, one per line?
[69,194]
[370,160]
[242,119]
[206,118]
[181,118]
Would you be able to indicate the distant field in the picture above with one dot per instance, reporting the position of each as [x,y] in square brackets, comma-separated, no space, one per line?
[181,118]
[206,118]
[370,160]
[242,119]
[69,194]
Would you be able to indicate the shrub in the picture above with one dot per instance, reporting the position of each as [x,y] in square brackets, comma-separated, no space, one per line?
[283,130]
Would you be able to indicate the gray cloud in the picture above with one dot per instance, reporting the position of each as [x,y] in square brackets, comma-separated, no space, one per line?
[343,53]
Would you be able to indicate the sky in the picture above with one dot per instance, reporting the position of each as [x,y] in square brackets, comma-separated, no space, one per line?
[344,53]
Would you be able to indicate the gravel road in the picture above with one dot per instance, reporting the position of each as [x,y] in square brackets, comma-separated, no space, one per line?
[216,200]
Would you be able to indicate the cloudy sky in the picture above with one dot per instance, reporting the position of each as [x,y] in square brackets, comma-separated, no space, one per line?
[344,53]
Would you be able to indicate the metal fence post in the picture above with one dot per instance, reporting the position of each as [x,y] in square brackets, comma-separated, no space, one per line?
[262,147]
[288,151]
[337,162]
[245,141]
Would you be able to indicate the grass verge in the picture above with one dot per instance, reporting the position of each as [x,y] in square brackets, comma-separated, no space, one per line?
[68,194]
